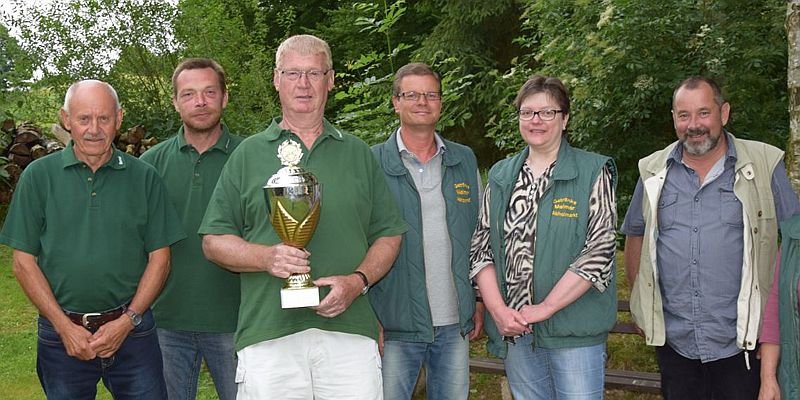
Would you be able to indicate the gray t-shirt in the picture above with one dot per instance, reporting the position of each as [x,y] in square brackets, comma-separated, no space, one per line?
[436,244]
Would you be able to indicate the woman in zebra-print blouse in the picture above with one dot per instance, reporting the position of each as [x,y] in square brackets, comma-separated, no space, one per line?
[556,346]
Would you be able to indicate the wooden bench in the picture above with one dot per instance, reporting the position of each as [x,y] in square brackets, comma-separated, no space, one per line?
[646,382]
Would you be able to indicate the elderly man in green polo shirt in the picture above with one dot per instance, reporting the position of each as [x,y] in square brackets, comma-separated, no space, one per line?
[91,228]
[196,312]
[329,352]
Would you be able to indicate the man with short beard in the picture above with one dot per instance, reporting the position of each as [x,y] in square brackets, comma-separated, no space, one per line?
[701,241]
[197,311]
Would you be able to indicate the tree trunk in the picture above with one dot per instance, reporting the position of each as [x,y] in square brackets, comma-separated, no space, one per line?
[793,80]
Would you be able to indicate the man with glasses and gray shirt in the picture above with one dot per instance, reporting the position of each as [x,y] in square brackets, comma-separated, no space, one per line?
[426,303]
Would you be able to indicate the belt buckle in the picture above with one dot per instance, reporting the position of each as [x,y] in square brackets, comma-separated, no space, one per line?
[85,319]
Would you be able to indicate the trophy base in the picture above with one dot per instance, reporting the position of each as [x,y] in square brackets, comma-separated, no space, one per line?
[302,297]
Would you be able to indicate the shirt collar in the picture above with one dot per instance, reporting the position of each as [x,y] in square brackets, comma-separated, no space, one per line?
[117,160]
[223,143]
[275,132]
[440,146]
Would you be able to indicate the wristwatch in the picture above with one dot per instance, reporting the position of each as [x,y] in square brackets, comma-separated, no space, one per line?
[136,319]
[366,282]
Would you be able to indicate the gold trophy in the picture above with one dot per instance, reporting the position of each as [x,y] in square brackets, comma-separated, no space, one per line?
[294,199]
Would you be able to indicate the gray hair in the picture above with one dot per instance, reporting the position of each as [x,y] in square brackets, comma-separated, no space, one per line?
[304,45]
[694,82]
[77,84]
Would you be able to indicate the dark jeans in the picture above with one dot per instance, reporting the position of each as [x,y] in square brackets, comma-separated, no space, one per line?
[728,378]
[134,372]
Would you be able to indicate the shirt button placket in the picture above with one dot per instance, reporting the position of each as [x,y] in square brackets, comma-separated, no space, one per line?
[92,193]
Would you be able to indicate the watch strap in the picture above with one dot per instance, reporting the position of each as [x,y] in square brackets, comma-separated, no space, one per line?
[135,317]
[365,280]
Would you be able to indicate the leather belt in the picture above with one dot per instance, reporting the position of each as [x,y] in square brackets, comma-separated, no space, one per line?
[92,321]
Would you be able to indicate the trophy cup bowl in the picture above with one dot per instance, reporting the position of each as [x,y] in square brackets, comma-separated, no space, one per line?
[293,197]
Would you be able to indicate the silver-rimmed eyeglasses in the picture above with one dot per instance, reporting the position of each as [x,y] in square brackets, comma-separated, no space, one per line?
[294,74]
[414,96]
[545,115]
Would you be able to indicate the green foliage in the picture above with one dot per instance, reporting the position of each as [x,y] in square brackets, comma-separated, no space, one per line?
[473,41]
[39,104]
[15,66]
[234,33]
[466,42]
[364,83]
[622,58]
[120,41]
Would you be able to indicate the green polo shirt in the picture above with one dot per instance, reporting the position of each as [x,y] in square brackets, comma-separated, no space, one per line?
[357,209]
[91,232]
[199,296]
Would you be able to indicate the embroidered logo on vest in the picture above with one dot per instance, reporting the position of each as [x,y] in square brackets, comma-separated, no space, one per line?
[462,192]
[564,207]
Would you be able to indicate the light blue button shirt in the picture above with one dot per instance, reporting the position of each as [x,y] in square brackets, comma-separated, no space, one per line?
[700,251]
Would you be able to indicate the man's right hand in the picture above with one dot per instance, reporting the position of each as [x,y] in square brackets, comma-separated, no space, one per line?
[76,341]
[283,260]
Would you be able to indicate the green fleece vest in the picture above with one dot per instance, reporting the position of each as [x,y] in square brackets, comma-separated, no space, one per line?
[561,228]
[789,367]
[400,299]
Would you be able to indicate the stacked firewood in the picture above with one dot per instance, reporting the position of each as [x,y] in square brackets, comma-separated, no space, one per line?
[133,141]
[21,145]
[24,143]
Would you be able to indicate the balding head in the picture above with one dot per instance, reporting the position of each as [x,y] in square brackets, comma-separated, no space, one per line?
[90,84]
[92,115]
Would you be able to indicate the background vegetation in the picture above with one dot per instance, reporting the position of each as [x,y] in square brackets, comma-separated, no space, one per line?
[620,58]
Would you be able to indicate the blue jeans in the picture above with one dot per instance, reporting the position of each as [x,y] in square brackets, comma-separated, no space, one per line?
[183,354]
[133,372]
[545,374]
[446,366]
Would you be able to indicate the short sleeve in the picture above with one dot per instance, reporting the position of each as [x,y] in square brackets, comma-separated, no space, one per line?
[25,220]
[634,219]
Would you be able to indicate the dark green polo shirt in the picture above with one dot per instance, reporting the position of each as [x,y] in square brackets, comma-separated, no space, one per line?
[91,232]
[357,209]
[199,296]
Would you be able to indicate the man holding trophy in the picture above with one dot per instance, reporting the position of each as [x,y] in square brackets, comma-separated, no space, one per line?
[303,197]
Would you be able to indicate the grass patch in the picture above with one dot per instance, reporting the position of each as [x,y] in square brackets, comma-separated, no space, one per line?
[18,378]
[18,350]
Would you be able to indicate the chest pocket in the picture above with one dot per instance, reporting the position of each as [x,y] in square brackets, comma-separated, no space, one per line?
[730,209]
[667,209]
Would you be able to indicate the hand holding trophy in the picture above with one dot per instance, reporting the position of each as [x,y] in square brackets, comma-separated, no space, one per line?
[294,200]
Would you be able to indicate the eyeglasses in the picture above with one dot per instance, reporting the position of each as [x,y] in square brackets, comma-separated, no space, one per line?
[414,96]
[313,74]
[544,115]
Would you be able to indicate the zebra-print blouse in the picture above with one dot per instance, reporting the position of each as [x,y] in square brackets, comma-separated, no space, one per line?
[594,263]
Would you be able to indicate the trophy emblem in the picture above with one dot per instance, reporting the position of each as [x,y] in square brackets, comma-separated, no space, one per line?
[294,197]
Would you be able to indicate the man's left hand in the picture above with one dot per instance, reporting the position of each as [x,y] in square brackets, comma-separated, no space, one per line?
[477,319]
[344,289]
[107,340]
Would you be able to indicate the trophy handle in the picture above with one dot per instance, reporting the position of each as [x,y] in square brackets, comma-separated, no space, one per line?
[266,199]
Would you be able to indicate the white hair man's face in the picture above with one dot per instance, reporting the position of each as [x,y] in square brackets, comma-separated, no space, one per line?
[303,95]
[93,120]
